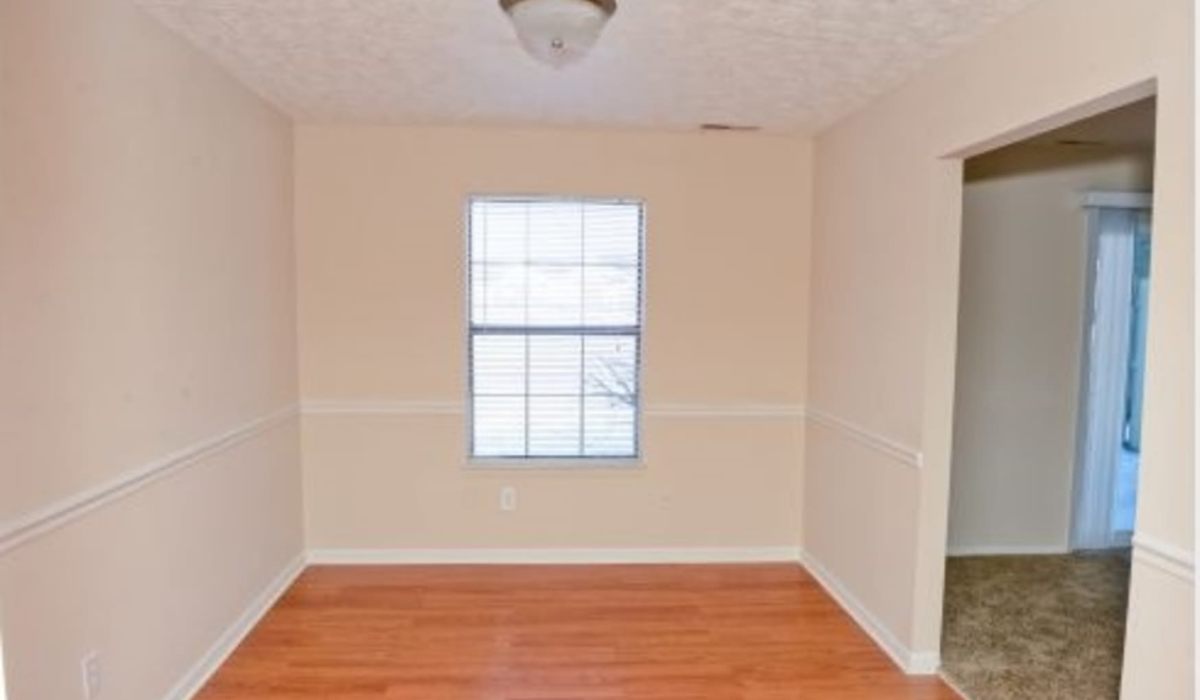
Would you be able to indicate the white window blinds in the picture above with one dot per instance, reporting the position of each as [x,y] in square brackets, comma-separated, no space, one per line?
[555,306]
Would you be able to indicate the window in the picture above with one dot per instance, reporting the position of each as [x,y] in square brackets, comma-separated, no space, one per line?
[555,327]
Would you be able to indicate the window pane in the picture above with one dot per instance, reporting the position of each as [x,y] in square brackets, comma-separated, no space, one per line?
[554,426]
[498,294]
[555,232]
[498,231]
[610,296]
[609,239]
[555,295]
[498,365]
[610,367]
[554,365]
[608,428]
[499,426]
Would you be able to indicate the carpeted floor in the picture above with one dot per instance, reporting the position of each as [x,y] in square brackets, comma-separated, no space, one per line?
[1036,627]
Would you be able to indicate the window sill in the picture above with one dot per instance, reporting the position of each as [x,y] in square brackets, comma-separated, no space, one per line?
[563,464]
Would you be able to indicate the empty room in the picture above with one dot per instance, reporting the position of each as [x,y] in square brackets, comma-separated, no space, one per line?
[594,349]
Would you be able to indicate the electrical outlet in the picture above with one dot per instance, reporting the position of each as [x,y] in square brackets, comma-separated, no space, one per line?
[91,676]
[508,498]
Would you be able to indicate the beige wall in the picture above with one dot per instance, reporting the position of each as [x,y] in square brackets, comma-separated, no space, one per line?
[147,302]
[379,217]
[885,279]
[1020,331]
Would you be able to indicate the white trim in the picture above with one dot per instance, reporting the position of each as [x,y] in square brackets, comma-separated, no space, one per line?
[3,684]
[924,663]
[1119,200]
[429,407]
[29,526]
[1005,550]
[897,451]
[918,663]
[705,555]
[1165,557]
[381,407]
[749,410]
[564,464]
[223,647]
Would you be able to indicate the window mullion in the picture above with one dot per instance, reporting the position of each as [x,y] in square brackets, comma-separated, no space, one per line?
[582,322]
[527,337]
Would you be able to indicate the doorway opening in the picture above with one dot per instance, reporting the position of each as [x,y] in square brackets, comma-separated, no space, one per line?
[1056,258]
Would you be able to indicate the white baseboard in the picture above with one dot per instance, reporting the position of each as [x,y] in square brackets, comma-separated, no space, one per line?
[1006,550]
[913,663]
[708,555]
[198,675]
[923,663]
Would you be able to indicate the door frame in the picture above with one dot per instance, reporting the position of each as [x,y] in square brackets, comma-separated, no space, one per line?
[937,420]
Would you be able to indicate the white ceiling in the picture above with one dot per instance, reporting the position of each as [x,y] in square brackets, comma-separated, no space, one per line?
[781,64]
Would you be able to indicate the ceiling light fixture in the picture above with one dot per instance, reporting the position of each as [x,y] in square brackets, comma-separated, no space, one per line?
[558,32]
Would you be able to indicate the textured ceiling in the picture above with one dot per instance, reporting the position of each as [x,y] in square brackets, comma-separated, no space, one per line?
[781,64]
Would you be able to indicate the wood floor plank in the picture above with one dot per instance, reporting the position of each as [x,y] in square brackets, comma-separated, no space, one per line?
[736,632]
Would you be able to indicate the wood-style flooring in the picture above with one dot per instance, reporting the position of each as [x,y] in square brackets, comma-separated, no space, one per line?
[761,632]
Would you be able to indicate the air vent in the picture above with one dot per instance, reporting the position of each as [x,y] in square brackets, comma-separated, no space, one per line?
[728,127]
[1079,143]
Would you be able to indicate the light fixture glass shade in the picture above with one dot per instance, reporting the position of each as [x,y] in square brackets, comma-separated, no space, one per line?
[558,32]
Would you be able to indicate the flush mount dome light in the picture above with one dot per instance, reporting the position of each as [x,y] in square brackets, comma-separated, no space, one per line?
[558,32]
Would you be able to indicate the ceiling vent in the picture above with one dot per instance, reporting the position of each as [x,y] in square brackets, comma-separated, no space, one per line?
[729,127]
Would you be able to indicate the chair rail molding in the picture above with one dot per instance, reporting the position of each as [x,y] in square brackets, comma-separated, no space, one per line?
[393,407]
[381,407]
[1165,557]
[880,443]
[34,524]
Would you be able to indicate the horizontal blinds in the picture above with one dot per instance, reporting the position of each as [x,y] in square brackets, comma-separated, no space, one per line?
[555,327]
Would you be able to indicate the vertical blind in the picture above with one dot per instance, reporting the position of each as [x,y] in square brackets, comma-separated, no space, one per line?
[555,327]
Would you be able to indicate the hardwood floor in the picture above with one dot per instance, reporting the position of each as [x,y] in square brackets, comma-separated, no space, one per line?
[761,632]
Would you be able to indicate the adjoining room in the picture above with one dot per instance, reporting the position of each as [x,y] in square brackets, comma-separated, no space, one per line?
[596,349]
[1056,263]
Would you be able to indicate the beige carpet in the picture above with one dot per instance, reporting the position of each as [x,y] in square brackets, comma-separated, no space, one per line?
[1036,627]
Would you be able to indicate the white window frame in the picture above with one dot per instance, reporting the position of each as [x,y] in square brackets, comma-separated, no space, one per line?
[572,463]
